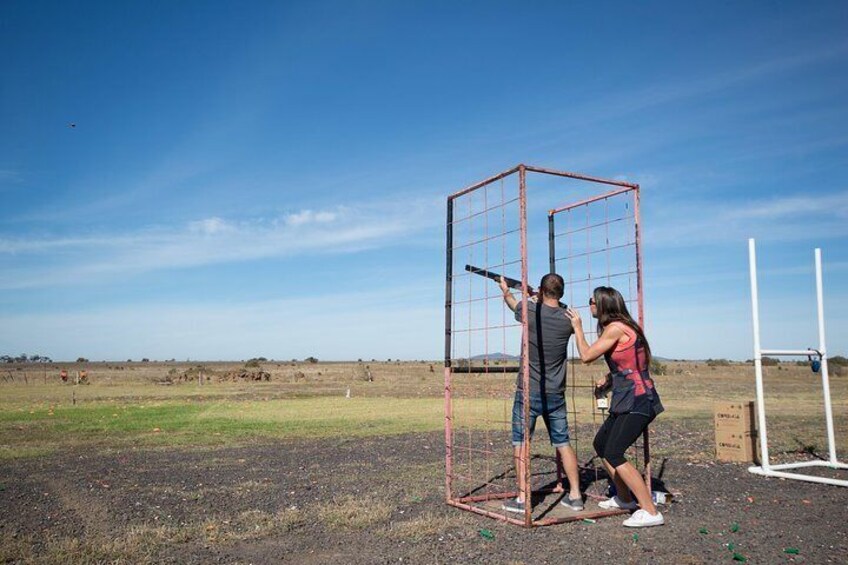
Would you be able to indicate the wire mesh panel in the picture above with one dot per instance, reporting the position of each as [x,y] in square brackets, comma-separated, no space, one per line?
[493,228]
[483,340]
[595,242]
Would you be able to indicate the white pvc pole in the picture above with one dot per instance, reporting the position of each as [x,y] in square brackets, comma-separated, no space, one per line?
[790,352]
[800,477]
[828,409]
[816,463]
[758,361]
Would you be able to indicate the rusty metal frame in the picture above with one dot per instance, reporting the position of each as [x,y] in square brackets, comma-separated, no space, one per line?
[637,239]
[466,502]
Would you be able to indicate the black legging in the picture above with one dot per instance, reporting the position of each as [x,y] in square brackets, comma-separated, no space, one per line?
[617,433]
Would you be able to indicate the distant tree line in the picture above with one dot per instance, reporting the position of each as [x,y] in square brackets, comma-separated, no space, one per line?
[24,358]
[836,361]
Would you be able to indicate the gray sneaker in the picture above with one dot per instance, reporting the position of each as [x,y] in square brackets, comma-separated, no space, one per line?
[575,504]
[513,505]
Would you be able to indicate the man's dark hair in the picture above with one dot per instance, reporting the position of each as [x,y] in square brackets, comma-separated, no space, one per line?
[552,285]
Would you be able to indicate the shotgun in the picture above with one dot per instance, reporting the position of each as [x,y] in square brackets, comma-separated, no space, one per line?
[511,283]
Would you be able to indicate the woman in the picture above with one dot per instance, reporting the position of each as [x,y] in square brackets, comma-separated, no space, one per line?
[635,401]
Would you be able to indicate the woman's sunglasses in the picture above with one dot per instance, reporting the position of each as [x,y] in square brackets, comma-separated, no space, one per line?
[591,302]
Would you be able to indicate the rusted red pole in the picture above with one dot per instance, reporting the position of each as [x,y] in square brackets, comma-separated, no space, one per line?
[525,346]
[646,440]
[590,200]
[579,176]
[482,183]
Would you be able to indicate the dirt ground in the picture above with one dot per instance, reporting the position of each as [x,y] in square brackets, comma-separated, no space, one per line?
[380,500]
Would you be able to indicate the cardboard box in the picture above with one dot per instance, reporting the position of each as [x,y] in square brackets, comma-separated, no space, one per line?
[737,416]
[737,446]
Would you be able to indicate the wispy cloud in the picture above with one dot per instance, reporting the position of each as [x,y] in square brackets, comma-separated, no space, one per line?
[10,177]
[308,216]
[211,226]
[212,240]
[682,279]
[788,218]
[581,119]
[242,330]
[792,206]
[700,85]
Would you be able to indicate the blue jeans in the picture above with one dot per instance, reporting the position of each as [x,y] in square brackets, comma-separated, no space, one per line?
[551,407]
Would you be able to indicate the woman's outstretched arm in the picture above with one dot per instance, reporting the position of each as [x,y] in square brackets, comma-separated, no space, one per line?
[608,340]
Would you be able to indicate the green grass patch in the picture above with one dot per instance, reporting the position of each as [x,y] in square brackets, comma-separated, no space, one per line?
[35,431]
[120,410]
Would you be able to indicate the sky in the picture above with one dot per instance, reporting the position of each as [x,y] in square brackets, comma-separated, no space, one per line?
[225,180]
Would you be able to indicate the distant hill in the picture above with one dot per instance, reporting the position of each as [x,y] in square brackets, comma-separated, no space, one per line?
[495,357]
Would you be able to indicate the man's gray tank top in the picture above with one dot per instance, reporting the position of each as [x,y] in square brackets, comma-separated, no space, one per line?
[550,330]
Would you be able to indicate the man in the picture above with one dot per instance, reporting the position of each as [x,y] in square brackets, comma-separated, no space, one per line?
[549,330]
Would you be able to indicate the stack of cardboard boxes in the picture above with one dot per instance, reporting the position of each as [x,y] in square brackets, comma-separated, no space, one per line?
[735,431]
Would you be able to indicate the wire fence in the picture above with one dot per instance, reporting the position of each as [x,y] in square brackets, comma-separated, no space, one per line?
[494,228]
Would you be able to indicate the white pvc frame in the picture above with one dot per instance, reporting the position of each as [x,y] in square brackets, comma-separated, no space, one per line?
[766,468]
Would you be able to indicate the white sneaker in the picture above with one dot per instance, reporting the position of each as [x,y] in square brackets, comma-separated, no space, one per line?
[615,502]
[641,519]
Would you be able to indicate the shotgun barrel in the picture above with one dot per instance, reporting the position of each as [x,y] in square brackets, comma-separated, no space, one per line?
[511,283]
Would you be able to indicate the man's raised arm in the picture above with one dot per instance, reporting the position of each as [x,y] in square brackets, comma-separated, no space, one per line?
[510,300]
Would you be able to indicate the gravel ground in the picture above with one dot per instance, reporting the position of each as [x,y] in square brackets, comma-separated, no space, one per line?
[380,500]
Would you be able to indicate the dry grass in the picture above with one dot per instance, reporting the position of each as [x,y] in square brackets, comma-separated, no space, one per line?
[16,548]
[136,381]
[424,526]
[142,544]
[210,491]
[252,524]
[122,405]
[355,513]
[22,451]
[139,544]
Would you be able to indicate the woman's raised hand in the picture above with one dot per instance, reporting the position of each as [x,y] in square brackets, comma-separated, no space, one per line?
[574,317]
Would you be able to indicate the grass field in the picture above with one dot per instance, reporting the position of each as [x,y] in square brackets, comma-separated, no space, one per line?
[129,405]
[141,466]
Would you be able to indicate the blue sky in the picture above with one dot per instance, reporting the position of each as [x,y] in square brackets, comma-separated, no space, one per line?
[269,179]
